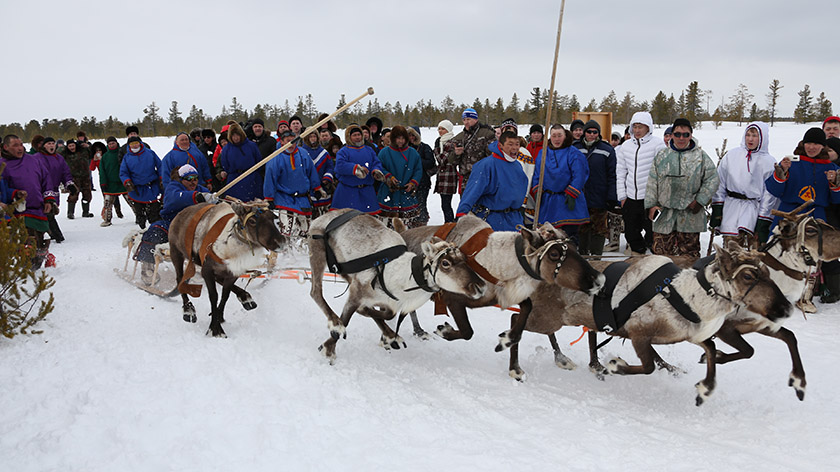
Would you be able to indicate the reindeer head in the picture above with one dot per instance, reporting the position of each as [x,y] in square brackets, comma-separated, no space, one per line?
[814,238]
[746,281]
[449,270]
[256,224]
[557,260]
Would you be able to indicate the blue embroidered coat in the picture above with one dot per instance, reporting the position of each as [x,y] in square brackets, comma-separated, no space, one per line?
[325,166]
[353,192]
[289,180]
[805,181]
[177,157]
[566,173]
[143,170]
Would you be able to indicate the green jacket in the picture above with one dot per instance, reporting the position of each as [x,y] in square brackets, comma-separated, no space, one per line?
[109,173]
[677,178]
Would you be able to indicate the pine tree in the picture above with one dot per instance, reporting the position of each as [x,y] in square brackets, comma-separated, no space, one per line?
[513,108]
[626,108]
[822,107]
[237,111]
[739,102]
[175,120]
[671,106]
[21,288]
[535,101]
[591,106]
[773,99]
[151,117]
[802,112]
[609,103]
[693,110]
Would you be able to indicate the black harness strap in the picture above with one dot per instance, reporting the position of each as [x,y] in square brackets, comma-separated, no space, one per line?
[519,247]
[659,282]
[601,304]
[417,270]
[376,260]
[700,267]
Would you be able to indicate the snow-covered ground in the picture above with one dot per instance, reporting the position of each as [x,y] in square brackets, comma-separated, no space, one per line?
[119,382]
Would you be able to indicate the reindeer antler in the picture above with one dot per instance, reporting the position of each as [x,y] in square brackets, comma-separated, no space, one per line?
[792,215]
[258,203]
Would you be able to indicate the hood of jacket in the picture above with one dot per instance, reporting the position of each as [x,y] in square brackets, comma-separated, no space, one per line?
[643,118]
[763,136]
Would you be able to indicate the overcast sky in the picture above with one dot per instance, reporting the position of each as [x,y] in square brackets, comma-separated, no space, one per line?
[101,58]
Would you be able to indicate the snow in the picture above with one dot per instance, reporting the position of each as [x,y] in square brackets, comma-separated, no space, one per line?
[118,381]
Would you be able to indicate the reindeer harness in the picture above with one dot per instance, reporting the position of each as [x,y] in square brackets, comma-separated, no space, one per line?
[205,249]
[610,320]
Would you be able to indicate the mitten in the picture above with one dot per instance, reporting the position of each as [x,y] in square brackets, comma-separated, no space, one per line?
[717,215]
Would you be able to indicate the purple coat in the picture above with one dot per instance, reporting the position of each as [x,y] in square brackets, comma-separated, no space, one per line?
[58,172]
[29,174]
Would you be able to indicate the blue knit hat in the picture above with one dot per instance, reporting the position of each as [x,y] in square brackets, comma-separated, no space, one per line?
[469,113]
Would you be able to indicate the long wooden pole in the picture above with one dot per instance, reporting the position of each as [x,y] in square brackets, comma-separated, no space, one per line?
[548,117]
[308,131]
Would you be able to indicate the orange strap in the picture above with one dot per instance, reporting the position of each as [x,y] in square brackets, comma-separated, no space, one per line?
[444,230]
[211,237]
[582,334]
[473,246]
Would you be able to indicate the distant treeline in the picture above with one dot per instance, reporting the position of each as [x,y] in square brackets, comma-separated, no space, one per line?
[693,103]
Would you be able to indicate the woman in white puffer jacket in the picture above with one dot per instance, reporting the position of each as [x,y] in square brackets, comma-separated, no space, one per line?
[633,160]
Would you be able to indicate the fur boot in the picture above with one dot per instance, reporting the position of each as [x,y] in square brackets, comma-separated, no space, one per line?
[106,210]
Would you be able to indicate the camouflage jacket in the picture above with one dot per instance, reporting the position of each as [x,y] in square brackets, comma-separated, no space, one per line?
[79,163]
[475,144]
[676,178]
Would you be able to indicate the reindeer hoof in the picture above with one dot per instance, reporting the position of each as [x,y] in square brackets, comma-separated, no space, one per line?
[616,365]
[564,362]
[328,352]
[247,302]
[517,374]
[798,385]
[190,318]
[703,392]
[445,330]
[189,313]
[599,370]
[391,343]
[505,341]
[422,334]
[216,332]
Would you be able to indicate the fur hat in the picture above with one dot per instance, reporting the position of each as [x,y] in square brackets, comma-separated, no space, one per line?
[258,121]
[133,139]
[286,133]
[111,138]
[396,132]
[414,131]
[208,133]
[833,143]
[98,146]
[575,125]
[50,139]
[131,129]
[236,128]
[37,141]
[329,125]
[295,118]
[73,142]
[334,141]
[351,128]
[375,121]
[195,133]
[815,136]
[536,129]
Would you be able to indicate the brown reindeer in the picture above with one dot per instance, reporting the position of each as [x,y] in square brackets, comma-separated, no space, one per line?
[546,255]
[379,290]
[739,280]
[244,231]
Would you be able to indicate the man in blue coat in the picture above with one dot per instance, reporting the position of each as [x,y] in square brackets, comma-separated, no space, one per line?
[184,152]
[497,186]
[140,174]
[237,157]
[290,179]
[357,166]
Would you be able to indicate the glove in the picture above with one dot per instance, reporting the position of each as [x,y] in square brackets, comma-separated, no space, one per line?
[321,194]
[20,204]
[570,202]
[361,172]
[71,187]
[393,184]
[378,175]
[780,172]
[129,185]
[327,185]
[694,207]
[762,230]
[207,197]
[717,216]
[409,187]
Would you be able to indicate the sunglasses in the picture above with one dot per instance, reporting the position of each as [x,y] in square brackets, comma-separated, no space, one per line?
[591,131]
[681,135]
[191,178]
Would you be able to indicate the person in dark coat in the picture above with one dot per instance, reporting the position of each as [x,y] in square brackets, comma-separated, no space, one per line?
[261,138]
[208,148]
[600,188]
[237,157]
[374,125]
[471,144]
[78,159]
[427,157]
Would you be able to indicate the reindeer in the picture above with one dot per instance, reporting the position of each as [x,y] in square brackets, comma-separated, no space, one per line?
[392,281]
[226,240]
[515,264]
[798,241]
[738,279]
